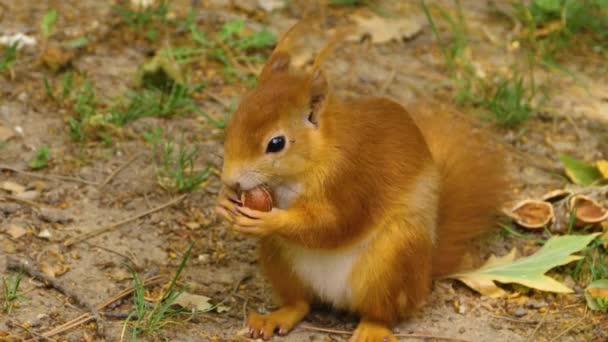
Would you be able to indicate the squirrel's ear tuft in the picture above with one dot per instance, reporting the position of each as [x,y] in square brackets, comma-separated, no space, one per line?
[319,89]
[279,61]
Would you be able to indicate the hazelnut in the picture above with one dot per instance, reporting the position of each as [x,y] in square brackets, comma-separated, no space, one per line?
[259,198]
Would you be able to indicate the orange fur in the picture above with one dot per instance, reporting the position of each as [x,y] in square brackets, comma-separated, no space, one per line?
[372,199]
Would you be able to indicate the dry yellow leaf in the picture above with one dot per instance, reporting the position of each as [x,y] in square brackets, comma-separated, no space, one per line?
[602,165]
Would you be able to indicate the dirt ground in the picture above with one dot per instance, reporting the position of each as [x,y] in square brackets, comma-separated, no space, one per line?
[223,263]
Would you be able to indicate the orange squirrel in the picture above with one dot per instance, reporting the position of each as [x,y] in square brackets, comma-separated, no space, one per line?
[371,201]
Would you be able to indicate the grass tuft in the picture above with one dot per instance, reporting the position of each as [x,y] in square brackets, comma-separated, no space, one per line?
[9,57]
[150,318]
[10,291]
[43,154]
[175,163]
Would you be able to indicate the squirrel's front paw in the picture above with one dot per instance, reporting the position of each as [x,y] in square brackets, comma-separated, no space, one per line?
[258,222]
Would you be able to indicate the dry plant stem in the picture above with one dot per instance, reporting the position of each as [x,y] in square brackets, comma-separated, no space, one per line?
[30,270]
[118,170]
[344,332]
[48,177]
[388,82]
[101,230]
[36,337]
[87,317]
[556,338]
[129,259]
[537,327]
[514,320]
[24,201]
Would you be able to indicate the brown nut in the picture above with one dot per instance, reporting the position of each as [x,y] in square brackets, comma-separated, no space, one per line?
[259,198]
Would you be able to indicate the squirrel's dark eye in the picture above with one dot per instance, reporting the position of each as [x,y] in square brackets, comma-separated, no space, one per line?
[275,144]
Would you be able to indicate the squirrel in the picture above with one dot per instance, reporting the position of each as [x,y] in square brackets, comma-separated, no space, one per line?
[372,201]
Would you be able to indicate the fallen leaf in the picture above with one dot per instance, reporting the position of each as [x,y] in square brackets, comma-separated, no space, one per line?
[120,274]
[587,211]
[12,187]
[580,172]
[193,302]
[53,263]
[382,30]
[532,214]
[56,57]
[529,271]
[602,166]
[15,231]
[6,134]
[596,295]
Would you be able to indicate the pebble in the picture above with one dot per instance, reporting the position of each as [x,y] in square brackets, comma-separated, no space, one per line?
[535,304]
[462,330]
[520,312]
[9,208]
[52,215]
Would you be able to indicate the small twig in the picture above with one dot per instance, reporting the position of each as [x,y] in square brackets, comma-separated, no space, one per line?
[344,332]
[538,326]
[86,317]
[218,99]
[389,80]
[22,200]
[232,59]
[30,270]
[105,229]
[36,335]
[565,331]
[48,177]
[119,315]
[515,320]
[114,252]
[118,170]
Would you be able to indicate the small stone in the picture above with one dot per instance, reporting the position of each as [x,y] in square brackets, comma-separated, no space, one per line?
[192,225]
[9,208]
[55,196]
[52,215]
[204,258]
[462,309]
[535,304]
[462,330]
[45,234]
[520,312]
[28,195]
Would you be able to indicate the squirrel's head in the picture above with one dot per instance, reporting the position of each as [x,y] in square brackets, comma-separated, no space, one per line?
[274,135]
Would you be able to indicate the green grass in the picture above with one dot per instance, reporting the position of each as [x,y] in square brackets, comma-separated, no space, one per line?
[146,20]
[567,24]
[155,102]
[510,101]
[41,159]
[594,264]
[507,100]
[149,319]
[9,57]
[10,291]
[175,163]
[84,109]
[47,23]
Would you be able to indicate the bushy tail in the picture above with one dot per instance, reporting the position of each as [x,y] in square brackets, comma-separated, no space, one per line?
[474,183]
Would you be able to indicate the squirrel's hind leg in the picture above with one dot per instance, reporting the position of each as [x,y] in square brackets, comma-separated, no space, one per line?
[392,279]
[294,297]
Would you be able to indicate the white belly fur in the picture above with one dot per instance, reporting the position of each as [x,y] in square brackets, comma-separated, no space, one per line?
[327,272]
